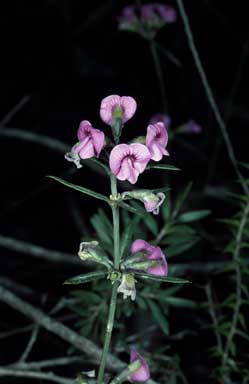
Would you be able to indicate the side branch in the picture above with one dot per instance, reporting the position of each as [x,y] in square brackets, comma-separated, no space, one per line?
[51,325]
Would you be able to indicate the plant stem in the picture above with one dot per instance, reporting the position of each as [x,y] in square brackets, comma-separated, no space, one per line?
[213,315]
[115,216]
[236,312]
[113,302]
[209,94]
[159,74]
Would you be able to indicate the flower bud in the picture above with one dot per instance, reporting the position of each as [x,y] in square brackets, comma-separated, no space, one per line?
[91,251]
[142,374]
[152,201]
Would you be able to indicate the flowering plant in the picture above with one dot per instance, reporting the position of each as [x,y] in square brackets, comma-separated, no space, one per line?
[125,264]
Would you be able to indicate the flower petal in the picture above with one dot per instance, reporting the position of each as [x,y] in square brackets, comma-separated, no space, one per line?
[106,107]
[129,107]
[140,245]
[98,139]
[116,157]
[142,374]
[85,149]
[161,269]
[83,130]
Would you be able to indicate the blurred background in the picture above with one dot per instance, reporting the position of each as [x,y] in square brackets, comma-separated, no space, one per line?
[59,59]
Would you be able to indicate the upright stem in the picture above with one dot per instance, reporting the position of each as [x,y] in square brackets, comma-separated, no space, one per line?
[112,308]
[115,217]
[236,309]
[210,96]
[159,74]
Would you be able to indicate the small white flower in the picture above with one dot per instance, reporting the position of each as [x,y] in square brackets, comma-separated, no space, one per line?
[73,157]
[127,286]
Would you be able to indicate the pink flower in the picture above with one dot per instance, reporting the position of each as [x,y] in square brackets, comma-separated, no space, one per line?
[91,142]
[159,13]
[147,12]
[128,161]
[156,140]
[142,374]
[151,253]
[115,106]
[166,13]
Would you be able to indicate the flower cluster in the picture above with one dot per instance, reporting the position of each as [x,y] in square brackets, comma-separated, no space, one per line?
[126,161]
[147,19]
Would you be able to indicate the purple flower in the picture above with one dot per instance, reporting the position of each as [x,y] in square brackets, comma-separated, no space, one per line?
[147,12]
[128,161]
[156,141]
[191,127]
[128,14]
[161,117]
[166,13]
[146,20]
[91,142]
[114,106]
[142,374]
[151,253]
[158,13]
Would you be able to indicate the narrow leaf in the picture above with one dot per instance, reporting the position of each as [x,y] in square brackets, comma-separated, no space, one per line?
[159,317]
[181,198]
[161,279]
[131,209]
[86,191]
[193,216]
[127,236]
[85,278]
[164,167]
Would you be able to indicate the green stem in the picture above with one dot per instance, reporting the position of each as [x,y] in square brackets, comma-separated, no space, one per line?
[236,310]
[115,217]
[209,94]
[159,74]
[113,303]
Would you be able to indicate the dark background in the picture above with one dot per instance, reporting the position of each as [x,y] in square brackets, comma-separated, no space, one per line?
[68,55]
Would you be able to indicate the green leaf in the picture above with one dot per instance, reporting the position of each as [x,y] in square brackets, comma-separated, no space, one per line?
[181,198]
[141,303]
[164,167]
[177,249]
[127,236]
[178,302]
[242,334]
[85,278]
[152,224]
[104,232]
[159,317]
[193,216]
[131,209]
[161,279]
[86,191]
[166,209]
